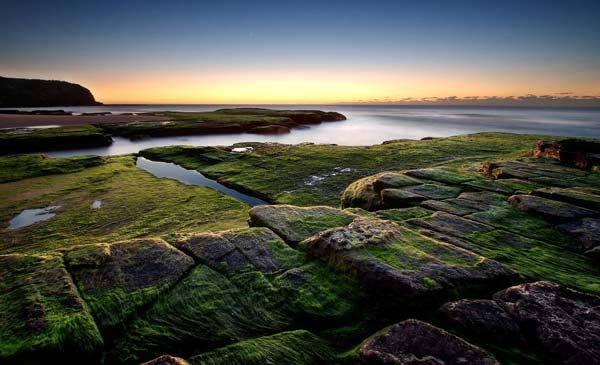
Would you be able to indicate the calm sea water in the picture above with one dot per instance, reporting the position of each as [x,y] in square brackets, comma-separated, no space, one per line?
[368,124]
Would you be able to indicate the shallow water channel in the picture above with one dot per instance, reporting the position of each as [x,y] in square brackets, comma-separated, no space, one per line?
[192,177]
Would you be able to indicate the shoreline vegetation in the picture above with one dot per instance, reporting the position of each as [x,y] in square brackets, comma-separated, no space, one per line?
[67,133]
[361,247]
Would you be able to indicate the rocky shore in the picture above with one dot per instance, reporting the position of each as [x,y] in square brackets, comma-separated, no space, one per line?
[466,262]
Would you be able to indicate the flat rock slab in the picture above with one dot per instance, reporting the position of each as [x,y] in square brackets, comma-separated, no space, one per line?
[451,224]
[579,196]
[586,231]
[414,342]
[231,251]
[505,186]
[391,180]
[439,174]
[435,191]
[117,278]
[41,312]
[399,198]
[295,224]
[548,208]
[452,206]
[394,261]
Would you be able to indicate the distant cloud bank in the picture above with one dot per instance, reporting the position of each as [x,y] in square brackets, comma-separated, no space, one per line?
[563,99]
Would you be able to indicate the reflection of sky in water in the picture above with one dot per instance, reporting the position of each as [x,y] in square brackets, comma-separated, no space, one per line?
[367,125]
[31,216]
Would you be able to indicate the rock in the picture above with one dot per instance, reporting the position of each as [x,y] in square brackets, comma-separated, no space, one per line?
[295,224]
[439,174]
[230,251]
[586,231]
[391,180]
[117,278]
[365,193]
[579,196]
[414,342]
[448,206]
[435,191]
[481,317]
[167,360]
[451,224]
[393,261]
[550,209]
[564,323]
[403,214]
[41,314]
[399,198]
[570,152]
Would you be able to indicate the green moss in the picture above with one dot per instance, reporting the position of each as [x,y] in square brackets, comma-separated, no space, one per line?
[403,214]
[283,172]
[514,220]
[207,308]
[430,283]
[27,140]
[294,348]
[20,167]
[41,311]
[538,260]
[134,204]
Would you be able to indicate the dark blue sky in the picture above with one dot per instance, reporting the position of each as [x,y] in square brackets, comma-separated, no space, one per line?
[359,49]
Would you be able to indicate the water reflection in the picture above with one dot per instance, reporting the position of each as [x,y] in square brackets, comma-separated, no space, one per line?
[368,125]
[192,177]
[31,216]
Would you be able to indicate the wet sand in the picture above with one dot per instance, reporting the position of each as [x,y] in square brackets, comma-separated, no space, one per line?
[20,120]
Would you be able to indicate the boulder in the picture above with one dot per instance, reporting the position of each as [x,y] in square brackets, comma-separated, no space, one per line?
[365,193]
[393,261]
[548,208]
[117,278]
[480,317]
[413,342]
[564,323]
[295,224]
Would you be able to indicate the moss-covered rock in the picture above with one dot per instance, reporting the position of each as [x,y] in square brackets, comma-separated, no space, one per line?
[413,342]
[293,348]
[117,278]
[548,208]
[403,265]
[295,224]
[41,313]
[263,288]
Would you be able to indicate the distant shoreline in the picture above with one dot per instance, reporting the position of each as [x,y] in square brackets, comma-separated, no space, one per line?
[21,121]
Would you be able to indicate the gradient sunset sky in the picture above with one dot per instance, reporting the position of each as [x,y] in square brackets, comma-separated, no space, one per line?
[304,51]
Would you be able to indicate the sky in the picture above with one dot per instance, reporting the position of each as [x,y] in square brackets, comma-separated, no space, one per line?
[305,51]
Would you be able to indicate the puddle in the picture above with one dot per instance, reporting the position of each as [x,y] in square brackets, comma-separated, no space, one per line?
[192,177]
[31,216]
[96,204]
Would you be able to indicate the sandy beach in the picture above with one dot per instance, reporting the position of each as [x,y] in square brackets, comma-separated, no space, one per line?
[19,120]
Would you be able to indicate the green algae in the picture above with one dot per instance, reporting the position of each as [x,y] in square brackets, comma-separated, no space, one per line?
[20,167]
[134,204]
[41,313]
[45,139]
[283,172]
[294,348]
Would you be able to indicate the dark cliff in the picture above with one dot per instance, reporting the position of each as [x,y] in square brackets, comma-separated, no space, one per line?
[19,93]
